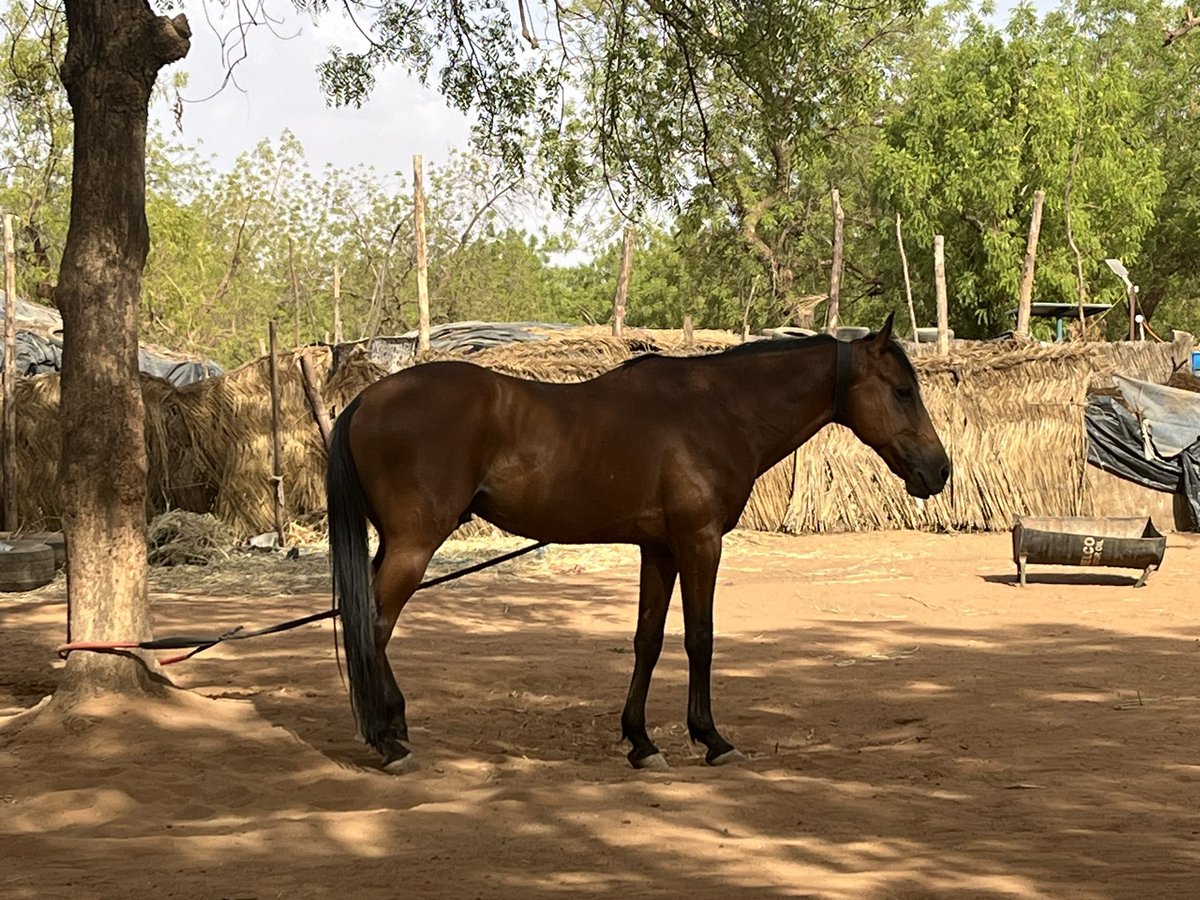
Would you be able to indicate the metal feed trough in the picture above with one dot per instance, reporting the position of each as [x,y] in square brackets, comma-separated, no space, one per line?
[1112,542]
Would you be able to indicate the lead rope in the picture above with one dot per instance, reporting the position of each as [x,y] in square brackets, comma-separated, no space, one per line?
[202,643]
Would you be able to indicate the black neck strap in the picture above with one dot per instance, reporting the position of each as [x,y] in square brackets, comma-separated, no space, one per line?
[841,381]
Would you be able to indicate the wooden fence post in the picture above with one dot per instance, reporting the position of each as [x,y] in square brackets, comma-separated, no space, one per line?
[337,304]
[622,295]
[315,402]
[295,288]
[422,262]
[912,311]
[276,437]
[689,340]
[9,438]
[835,274]
[1026,295]
[939,278]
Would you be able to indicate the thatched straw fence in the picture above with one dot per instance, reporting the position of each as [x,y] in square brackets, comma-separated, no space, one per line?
[1012,419]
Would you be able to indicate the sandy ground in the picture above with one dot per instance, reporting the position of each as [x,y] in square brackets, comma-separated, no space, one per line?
[917,726]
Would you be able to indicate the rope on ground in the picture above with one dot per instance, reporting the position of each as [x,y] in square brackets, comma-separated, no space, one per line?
[199,644]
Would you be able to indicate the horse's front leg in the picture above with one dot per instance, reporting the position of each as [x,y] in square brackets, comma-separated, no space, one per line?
[698,563]
[657,582]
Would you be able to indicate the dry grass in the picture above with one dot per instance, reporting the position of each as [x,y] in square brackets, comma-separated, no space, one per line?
[179,538]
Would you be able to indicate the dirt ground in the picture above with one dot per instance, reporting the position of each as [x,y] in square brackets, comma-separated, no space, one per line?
[917,726]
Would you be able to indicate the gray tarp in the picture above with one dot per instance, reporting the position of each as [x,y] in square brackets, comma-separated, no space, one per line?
[1129,447]
[39,349]
[395,353]
[1172,416]
[37,355]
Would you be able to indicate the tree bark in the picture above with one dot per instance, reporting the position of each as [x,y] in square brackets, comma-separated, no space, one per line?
[8,420]
[115,49]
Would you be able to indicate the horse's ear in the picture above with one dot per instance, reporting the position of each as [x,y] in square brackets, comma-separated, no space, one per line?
[884,336]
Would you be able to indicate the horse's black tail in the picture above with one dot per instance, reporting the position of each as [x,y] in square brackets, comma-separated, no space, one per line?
[347,506]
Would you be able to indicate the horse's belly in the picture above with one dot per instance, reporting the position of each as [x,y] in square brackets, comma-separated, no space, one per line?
[569,514]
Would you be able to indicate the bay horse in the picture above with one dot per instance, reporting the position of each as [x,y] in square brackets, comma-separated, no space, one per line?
[660,452]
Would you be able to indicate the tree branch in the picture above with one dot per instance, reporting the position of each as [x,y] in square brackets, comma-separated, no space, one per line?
[1190,21]
[169,40]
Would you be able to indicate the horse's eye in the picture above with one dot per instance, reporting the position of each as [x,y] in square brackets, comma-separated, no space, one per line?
[904,393]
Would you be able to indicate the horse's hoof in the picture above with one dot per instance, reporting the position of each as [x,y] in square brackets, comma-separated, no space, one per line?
[402,766]
[729,756]
[653,761]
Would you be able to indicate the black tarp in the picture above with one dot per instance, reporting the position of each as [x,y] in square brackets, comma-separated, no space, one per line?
[1117,444]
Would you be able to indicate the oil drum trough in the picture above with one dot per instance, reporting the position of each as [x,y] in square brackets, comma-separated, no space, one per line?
[1111,542]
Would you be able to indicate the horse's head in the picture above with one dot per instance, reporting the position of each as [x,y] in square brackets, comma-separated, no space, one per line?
[883,407]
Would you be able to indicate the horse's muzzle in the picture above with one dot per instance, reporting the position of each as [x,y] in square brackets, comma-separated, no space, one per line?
[927,480]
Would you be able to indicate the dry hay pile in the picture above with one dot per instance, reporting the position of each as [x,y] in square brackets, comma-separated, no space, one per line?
[180,538]
[1011,418]
[1010,415]
[39,446]
[1185,381]
[1143,360]
[210,450]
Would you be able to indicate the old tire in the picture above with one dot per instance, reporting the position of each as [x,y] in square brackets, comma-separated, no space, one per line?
[56,542]
[54,539]
[28,565]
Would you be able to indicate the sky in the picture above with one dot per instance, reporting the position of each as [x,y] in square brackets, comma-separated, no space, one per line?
[277,88]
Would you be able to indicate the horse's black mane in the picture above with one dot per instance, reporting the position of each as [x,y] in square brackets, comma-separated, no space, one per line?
[771,346]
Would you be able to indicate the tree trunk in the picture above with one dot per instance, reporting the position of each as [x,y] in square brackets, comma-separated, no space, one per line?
[115,49]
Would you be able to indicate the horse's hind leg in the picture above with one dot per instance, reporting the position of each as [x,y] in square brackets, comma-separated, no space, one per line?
[393,697]
[657,582]
[398,572]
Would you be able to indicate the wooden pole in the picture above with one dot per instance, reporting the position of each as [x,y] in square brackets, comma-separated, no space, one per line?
[912,311]
[9,438]
[337,304]
[835,275]
[689,339]
[939,279]
[315,402]
[1026,295]
[295,288]
[276,437]
[746,312]
[622,294]
[422,262]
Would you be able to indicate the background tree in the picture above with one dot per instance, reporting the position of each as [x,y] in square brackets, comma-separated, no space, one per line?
[1001,115]
[737,115]
[35,139]
[1164,111]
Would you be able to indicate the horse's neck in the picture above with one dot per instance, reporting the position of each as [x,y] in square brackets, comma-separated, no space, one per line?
[784,398]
